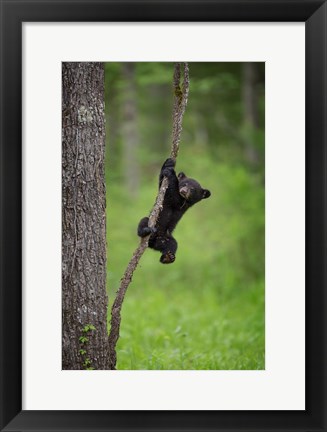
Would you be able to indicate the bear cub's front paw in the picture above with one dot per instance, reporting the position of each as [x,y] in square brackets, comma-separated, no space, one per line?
[169,163]
[167,169]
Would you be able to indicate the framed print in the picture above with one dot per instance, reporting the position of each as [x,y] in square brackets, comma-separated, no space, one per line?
[242,342]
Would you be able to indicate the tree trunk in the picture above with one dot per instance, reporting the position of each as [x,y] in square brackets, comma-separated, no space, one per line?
[130,131]
[251,114]
[84,296]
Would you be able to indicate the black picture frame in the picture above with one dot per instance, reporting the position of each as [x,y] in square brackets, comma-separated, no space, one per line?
[13,14]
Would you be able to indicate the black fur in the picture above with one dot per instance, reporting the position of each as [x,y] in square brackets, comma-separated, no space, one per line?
[182,193]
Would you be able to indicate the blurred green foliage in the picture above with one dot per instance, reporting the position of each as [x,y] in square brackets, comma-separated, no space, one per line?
[205,311]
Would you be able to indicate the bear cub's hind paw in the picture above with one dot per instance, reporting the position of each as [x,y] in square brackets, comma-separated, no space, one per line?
[167,258]
[143,229]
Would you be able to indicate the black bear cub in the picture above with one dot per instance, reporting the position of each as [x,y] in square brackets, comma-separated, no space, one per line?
[181,194]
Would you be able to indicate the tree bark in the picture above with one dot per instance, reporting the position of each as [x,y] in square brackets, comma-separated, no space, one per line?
[84,296]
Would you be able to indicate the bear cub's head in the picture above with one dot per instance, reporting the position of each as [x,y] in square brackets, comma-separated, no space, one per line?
[191,190]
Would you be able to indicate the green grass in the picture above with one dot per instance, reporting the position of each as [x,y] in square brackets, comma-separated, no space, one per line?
[205,311]
[165,330]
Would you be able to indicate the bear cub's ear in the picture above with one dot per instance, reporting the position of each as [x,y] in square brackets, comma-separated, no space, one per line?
[181,175]
[205,193]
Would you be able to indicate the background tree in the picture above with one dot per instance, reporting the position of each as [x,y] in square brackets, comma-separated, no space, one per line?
[130,131]
[84,297]
[251,109]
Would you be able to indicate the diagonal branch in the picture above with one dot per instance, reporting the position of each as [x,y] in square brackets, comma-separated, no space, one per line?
[180,101]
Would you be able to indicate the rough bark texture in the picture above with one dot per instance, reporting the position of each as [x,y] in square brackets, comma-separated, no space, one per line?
[84,297]
[180,101]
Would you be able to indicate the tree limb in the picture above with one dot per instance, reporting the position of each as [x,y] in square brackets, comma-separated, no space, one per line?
[180,101]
